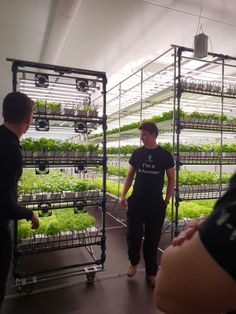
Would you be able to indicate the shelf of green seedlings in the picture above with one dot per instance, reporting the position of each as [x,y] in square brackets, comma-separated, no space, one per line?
[59,229]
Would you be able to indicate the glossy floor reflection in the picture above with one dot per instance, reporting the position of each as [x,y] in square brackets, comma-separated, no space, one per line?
[111,292]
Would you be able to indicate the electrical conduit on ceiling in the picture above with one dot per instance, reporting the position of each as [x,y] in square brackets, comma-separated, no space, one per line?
[65,13]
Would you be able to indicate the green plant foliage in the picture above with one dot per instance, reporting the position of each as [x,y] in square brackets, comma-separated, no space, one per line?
[48,144]
[186,177]
[24,229]
[164,117]
[53,105]
[55,182]
[187,209]
[135,125]
[40,102]
[213,147]
[62,220]
[192,209]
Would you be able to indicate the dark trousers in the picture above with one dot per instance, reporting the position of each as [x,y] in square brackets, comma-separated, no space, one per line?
[145,217]
[5,259]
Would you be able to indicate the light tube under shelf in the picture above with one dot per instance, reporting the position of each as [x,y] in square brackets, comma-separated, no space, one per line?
[50,91]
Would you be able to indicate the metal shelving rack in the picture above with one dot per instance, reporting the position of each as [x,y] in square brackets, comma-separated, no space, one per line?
[73,87]
[177,81]
[219,87]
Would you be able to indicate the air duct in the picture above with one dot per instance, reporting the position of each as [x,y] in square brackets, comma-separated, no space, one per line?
[65,13]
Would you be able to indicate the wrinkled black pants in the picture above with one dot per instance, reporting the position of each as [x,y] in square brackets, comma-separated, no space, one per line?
[145,217]
[5,259]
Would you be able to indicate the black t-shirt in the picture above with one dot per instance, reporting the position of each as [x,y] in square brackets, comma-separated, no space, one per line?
[150,166]
[218,232]
[10,172]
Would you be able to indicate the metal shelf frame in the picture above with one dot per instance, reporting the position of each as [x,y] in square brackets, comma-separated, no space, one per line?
[198,85]
[177,81]
[58,79]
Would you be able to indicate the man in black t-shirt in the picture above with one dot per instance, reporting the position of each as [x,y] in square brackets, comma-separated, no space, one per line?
[146,205]
[17,115]
[202,264]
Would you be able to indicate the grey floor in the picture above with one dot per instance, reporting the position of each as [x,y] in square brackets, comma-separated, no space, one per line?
[111,291]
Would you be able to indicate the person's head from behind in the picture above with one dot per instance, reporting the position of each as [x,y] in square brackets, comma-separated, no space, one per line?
[18,110]
[148,133]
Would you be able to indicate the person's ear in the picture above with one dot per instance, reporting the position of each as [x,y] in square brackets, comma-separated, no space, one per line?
[28,118]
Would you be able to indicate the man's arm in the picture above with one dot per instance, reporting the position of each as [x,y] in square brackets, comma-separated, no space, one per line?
[127,184]
[191,282]
[170,183]
[10,162]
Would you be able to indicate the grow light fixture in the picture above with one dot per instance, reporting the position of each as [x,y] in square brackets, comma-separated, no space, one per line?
[41,125]
[82,85]
[41,80]
[80,207]
[44,212]
[80,127]
[42,167]
[80,166]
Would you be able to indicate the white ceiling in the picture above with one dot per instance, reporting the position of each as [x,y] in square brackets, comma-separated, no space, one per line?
[115,36]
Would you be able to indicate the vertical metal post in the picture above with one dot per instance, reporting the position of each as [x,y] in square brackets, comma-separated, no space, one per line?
[15,263]
[173,138]
[141,99]
[119,140]
[221,124]
[177,130]
[14,69]
[104,168]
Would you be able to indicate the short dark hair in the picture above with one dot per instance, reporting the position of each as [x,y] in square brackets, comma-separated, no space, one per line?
[149,126]
[16,106]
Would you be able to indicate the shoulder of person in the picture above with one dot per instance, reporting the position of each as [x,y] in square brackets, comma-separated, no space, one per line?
[9,150]
[138,150]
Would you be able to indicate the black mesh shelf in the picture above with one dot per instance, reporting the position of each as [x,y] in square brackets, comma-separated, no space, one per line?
[64,158]
[63,240]
[203,191]
[67,117]
[57,200]
[208,124]
[209,88]
[207,158]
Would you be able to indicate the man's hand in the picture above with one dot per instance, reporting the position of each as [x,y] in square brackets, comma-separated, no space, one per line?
[188,232]
[123,202]
[184,235]
[35,221]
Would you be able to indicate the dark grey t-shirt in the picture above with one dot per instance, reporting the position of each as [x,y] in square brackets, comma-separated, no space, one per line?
[218,232]
[150,166]
[10,172]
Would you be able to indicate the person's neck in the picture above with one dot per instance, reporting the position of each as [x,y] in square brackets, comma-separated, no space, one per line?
[14,128]
[151,146]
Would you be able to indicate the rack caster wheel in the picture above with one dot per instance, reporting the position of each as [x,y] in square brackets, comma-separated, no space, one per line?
[19,289]
[90,277]
[27,289]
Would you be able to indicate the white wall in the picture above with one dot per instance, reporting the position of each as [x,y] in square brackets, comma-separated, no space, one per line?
[5,79]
